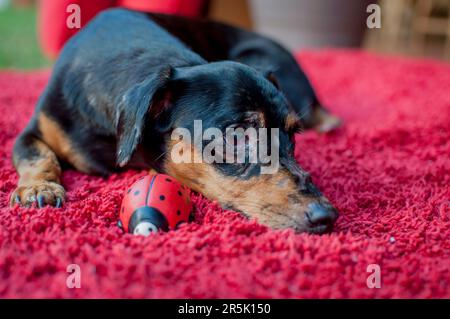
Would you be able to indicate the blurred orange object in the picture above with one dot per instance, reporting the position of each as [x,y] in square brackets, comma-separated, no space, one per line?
[53,30]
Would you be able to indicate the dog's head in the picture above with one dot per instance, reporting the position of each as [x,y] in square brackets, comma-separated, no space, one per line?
[228,134]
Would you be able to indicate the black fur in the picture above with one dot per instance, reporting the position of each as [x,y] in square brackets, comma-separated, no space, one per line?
[128,79]
[113,82]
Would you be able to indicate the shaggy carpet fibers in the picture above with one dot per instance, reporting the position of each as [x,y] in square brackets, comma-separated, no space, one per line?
[386,170]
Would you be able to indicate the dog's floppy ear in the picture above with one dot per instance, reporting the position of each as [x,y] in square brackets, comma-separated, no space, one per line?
[134,107]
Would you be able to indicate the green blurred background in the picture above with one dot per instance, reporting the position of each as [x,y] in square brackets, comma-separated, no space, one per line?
[19,47]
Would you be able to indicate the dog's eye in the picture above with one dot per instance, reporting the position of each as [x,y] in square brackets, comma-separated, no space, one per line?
[236,139]
[240,137]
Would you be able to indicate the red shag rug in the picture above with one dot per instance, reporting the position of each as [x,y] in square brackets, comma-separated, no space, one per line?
[387,171]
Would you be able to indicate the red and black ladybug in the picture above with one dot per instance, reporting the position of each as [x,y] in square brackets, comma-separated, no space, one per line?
[153,203]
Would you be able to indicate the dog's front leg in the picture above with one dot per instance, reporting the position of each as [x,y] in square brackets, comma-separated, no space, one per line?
[39,173]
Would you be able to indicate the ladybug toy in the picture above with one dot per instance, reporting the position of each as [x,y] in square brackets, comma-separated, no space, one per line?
[154,203]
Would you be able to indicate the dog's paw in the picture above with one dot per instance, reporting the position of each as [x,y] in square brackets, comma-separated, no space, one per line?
[39,194]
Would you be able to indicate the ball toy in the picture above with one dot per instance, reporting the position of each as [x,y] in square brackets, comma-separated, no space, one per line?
[155,202]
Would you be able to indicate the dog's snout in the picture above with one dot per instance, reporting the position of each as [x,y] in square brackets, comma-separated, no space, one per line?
[321,217]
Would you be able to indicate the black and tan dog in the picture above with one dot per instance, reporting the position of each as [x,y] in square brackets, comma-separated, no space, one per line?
[124,82]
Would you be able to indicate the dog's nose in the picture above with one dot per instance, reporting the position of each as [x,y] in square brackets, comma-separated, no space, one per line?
[321,217]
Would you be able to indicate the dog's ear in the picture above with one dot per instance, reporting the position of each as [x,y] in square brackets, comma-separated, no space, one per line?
[134,107]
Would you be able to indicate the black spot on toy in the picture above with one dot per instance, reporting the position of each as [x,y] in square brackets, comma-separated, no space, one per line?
[153,204]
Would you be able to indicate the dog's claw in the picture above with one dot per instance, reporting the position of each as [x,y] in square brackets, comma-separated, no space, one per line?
[30,200]
[39,195]
[40,200]
[58,202]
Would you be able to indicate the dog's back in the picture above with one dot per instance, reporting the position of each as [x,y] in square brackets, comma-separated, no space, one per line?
[116,51]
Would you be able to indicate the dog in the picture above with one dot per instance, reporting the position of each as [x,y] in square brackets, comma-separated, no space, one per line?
[124,82]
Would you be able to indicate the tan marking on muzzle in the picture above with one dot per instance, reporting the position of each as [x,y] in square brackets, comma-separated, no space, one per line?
[272,199]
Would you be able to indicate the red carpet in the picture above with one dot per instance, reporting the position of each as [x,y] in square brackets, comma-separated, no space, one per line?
[387,171]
